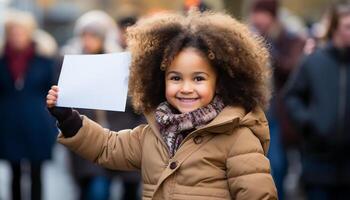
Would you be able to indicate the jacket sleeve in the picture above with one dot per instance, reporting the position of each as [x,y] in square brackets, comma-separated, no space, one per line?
[296,96]
[115,150]
[248,169]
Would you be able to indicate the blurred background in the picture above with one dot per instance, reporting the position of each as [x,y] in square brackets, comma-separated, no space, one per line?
[293,30]
[58,16]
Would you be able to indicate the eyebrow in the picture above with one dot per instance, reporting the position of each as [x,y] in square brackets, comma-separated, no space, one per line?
[197,73]
[178,73]
[173,72]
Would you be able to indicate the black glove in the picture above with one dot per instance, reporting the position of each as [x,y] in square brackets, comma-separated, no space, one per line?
[60,113]
[69,120]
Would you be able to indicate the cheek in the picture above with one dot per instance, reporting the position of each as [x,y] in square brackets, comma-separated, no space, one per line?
[207,91]
[170,90]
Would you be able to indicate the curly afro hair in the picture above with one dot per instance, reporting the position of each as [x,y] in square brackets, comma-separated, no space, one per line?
[239,57]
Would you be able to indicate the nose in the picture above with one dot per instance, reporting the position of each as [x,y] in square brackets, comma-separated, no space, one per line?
[186,87]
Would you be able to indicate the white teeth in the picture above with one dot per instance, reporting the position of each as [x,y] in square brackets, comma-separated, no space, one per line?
[187,99]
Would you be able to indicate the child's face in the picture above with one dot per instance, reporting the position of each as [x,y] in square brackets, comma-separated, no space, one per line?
[190,81]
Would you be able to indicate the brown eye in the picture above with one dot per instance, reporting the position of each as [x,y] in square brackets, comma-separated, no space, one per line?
[175,78]
[199,78]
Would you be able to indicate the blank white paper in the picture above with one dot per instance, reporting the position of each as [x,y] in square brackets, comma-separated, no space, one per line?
[94,81]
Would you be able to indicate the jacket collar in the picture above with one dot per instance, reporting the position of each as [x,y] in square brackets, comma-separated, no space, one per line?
[229,118]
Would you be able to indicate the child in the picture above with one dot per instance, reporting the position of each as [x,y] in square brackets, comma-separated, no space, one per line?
[201,81]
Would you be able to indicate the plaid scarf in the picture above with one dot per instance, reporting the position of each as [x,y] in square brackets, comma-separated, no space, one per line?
[174,127]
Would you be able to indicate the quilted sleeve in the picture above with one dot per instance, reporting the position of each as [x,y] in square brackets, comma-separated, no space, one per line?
[248,169]
[115,150]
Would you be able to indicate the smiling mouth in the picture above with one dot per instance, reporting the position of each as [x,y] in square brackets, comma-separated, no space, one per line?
[187,100]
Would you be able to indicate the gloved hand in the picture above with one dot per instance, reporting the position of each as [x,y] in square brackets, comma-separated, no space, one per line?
[69,120]
[60,113]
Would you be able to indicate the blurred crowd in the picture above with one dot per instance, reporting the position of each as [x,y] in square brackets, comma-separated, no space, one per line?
[308,113]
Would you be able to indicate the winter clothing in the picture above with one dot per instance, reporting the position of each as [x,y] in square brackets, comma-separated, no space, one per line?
[23,19]
[224,159]
[286,51]
[27,131]
[18,62]
[318,100]
[98,23]
[26,128]
[174,126]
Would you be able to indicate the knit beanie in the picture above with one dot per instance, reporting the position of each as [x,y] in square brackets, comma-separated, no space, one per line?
[95,22]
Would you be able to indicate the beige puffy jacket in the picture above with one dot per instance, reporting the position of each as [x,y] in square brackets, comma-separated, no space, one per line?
[225,159]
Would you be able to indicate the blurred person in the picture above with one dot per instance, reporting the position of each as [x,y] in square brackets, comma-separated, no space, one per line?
[27,131]
[316,34]
[97,33]
[123,23]
[318,100]
[313,40]
[286,49]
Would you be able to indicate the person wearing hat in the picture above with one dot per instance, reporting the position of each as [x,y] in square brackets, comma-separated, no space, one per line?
[95,33]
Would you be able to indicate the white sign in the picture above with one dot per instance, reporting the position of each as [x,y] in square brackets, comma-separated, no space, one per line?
[94,81]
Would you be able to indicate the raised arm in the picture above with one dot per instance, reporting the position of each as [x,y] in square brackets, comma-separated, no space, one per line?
[116,150]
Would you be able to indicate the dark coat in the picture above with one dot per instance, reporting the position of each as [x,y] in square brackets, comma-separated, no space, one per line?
[286,51]
[26,128]
[318,100]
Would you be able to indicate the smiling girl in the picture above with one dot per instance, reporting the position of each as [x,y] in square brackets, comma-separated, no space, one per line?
[202,83]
